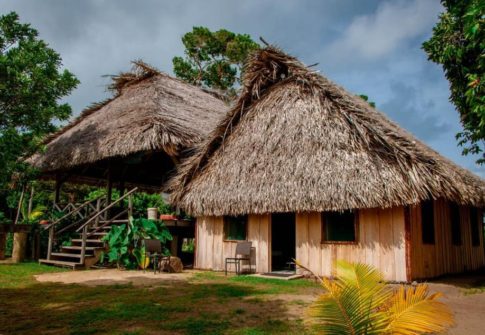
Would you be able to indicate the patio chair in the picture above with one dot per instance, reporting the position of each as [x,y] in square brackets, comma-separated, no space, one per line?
[153,249]
[243,253]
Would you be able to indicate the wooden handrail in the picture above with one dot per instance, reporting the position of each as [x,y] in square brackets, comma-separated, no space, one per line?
[108,222]
[76,210]
[106,208]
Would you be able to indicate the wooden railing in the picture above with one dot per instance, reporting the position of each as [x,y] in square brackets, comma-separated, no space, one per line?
[91,217]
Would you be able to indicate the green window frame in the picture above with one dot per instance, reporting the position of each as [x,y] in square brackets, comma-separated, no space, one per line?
[340,227]
[235,228]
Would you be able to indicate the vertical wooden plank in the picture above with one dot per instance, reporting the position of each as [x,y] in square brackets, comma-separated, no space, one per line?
[217,248]
[314,239]
[264,243]
[386,259]
[301,236]
[399,243]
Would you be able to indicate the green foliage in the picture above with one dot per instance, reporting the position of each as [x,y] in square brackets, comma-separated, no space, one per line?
[141,201]
[213,59]
[125,241]
[358,302]
[458,44]
[31,85]
[366,98]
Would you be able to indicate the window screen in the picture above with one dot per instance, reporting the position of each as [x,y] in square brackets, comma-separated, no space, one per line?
[427,221]
[339,226]
[474,228]
[235,227]
[455,224]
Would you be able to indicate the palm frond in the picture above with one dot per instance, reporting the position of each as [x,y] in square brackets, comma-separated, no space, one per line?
[351,304]
[413,310]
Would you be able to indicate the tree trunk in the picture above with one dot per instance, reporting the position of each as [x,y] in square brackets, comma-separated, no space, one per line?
[19,247]
[3,244]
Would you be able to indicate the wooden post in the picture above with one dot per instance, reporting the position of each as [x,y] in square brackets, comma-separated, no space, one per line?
[83,243]
[50,242]
[130,206]
[109,192]
[98,208]
[3,243]
[58,186]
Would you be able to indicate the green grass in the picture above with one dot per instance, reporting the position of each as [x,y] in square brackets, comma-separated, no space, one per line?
[19,275]
[209,303]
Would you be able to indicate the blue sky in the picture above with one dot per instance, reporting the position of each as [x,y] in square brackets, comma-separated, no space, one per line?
[370,47]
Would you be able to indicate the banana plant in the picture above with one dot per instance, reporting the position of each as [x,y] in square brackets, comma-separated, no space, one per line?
[358,302]
[125,241]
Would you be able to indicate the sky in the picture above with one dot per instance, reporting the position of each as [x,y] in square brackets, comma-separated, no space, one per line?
[370,47]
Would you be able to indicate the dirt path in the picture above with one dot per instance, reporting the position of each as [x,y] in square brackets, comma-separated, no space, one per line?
[469,309]
[112,277]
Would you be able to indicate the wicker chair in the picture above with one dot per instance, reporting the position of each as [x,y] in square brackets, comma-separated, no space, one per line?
[243,253]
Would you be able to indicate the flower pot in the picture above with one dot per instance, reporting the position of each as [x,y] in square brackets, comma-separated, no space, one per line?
[152,213]
[167,217]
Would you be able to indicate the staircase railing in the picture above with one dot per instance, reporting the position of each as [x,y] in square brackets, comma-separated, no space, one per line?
[85,226]
[86,206]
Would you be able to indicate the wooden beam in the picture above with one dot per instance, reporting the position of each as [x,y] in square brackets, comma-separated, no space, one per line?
[57,189]
[408,244]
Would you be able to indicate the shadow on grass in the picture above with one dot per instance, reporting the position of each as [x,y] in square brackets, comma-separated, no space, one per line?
[168,308]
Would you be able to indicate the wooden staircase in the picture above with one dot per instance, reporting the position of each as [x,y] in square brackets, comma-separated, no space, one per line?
[86,248]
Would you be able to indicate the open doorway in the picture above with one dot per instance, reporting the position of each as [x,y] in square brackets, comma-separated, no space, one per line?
[283,246]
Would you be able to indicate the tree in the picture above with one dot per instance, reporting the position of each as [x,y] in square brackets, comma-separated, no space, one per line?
[458,44]
[358,301]
[31,85]
[213,59]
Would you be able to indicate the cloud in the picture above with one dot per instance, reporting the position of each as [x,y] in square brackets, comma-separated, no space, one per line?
[376,35]
[415,113]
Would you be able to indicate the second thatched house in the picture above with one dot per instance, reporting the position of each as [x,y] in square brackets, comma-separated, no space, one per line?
[304,169]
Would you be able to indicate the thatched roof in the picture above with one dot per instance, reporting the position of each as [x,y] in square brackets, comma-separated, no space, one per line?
[150,111]
[297,142]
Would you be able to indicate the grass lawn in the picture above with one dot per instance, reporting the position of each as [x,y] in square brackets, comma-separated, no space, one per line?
[208,303]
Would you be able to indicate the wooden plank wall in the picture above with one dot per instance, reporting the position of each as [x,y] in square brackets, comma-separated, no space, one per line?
[212,250]
[443,257]
[381,243]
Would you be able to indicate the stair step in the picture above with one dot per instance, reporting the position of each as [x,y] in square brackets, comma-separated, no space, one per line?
[101,228]
[78,240]
[114,221]
[73,247]
[65,254]
[60,263]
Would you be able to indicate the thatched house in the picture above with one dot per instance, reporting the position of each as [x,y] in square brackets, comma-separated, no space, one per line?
[135,138]
[306,170]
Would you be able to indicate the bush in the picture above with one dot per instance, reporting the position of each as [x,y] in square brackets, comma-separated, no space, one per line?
[125,241]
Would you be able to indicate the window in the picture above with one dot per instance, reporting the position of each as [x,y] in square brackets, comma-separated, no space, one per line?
[235,227]
[455,224]
[339,226]
[427,221]
[474,227]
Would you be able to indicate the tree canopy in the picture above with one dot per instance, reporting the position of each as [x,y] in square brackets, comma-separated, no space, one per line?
[458,44]
[213,59]
[31,86]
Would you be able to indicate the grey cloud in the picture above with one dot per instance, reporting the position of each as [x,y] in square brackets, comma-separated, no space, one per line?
[413,113]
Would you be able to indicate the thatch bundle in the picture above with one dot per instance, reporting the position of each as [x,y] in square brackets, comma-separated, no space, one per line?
[297,142]
[150,111]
